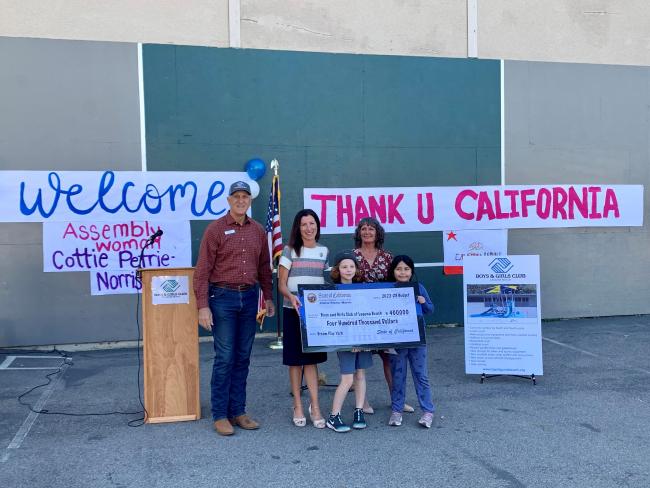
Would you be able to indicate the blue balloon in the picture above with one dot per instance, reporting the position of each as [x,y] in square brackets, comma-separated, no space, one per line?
[256,168]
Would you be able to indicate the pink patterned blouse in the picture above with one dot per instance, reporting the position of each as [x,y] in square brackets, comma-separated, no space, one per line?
[378,270]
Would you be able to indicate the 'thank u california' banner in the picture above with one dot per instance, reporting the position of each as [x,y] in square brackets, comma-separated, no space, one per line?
[420,209]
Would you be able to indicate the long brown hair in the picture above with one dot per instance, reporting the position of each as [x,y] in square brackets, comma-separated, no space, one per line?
[295,238]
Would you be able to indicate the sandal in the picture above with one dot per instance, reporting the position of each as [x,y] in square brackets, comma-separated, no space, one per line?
[318,423]
[298,421]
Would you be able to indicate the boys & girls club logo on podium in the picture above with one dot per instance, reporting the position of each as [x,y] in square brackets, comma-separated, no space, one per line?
[170,286]
[170,289]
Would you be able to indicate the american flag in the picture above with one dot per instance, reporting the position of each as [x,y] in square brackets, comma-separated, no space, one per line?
[274,238]
[273,229]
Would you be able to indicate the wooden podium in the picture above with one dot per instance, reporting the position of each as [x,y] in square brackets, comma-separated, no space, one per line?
[171,346]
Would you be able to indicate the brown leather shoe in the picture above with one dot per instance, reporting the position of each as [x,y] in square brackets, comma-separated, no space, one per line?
[245,422]
[224,427]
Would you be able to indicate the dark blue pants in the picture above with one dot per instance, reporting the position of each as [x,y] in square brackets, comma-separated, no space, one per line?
[233,316]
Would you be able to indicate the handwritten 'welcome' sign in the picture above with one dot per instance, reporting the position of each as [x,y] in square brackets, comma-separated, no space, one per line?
[40,196]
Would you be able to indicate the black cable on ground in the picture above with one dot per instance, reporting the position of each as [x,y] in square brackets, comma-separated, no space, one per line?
[66,360]
[69,414]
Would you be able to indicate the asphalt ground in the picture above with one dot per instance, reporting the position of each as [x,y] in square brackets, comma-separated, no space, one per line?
[585,424]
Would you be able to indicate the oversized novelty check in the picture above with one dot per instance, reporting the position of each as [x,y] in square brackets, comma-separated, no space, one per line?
[364,315]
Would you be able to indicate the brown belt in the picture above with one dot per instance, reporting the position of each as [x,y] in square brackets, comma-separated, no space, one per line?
[229,286]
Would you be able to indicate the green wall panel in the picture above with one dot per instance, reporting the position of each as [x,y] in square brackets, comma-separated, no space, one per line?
[332,120]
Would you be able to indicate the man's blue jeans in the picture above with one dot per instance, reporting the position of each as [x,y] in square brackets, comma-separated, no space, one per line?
[233,316]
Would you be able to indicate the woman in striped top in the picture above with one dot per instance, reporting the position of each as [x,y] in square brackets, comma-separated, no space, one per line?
[302,263]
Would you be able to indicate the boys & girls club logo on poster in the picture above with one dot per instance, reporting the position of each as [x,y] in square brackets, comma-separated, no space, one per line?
[500,268]
[501,265]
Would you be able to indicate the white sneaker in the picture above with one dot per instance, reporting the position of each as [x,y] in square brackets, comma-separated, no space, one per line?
[426,420]
[395,419]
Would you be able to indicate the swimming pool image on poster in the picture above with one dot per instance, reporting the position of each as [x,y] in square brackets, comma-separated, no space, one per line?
[502,301]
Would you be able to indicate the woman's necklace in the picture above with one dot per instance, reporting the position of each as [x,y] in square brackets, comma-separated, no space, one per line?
[369,255]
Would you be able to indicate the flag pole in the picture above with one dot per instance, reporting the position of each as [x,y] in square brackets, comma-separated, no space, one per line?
[277,344]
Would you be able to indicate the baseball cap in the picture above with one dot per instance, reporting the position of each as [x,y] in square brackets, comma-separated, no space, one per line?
[240,186]
[346,255]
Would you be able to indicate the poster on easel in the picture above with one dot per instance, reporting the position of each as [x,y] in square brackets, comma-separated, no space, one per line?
[503,320]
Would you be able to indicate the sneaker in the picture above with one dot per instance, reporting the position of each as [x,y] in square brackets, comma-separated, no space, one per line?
[426,420]
[395,419]
[359,421]
[335,423]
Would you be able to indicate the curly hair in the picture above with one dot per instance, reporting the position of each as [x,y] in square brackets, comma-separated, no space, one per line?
[335,275]
[380,234]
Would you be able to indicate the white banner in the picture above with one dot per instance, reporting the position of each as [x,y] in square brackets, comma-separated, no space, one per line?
[78,246]
[460,243]
[170,289]
[40,196]
[114,282]
[503,317]
[477,207]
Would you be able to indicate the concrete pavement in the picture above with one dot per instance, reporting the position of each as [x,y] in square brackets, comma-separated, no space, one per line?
[585,424]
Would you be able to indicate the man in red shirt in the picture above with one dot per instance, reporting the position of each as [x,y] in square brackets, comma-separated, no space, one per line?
[233,262]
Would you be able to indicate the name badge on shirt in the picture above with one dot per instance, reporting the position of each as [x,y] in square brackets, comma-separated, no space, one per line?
[228,232]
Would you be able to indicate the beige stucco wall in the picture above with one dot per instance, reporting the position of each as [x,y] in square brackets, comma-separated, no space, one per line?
[584,31]
[587,31]
[406,27]
[409,27]
[197,22]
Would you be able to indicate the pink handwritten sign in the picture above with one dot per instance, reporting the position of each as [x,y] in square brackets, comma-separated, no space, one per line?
[89,246]
[413,209]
